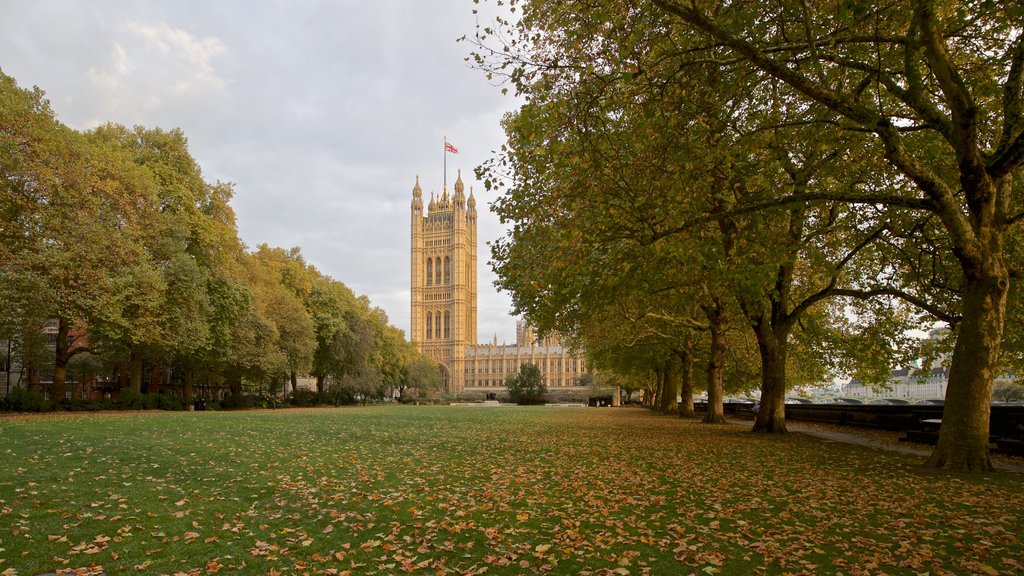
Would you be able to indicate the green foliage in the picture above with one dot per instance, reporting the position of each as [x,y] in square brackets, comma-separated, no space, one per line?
[1008,392]
[22,400]
[526,387]
[132,400]
[679,154]
[421,379]
[115,232]
[304,398]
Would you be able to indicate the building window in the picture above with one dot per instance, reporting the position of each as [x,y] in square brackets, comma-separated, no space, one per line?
[430,271]
[429,325]
[447,321]
[437,326]
[447,270]
[437,272]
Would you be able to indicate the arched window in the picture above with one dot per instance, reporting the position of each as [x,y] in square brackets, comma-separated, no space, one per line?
[430,325]
[447,322]
[447,270]
[437,326]
[437,272]
[430,272]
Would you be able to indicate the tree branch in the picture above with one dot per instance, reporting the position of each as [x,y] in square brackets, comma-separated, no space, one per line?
[943,197]
[851,198]
[1010,152]
[830,289]
[921,303]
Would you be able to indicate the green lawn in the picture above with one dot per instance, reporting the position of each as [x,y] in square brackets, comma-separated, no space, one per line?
[461,490]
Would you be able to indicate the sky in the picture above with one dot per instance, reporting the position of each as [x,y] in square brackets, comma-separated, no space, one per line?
[321,112]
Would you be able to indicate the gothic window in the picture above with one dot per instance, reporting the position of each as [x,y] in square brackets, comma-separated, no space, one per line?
[447,320]
[430,271]
[437,272]
[447,270]
[437,326]
[429,325]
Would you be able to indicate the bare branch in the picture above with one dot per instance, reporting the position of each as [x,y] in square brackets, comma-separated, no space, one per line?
[1010,152]
[850,197]
[938,313]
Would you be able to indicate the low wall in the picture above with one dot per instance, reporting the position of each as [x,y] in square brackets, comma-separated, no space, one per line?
[1006,421]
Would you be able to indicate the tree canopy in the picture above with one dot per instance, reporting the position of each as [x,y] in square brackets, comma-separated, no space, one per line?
[810,171]
[115,236]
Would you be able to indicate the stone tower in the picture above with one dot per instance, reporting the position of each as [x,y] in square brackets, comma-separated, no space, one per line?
[443,322]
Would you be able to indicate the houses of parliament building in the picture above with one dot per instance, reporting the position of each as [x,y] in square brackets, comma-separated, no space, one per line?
[444,309]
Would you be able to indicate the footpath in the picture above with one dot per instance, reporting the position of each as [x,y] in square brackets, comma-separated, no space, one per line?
[887,440]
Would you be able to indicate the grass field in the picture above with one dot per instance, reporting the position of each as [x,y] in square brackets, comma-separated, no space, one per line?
[460,490]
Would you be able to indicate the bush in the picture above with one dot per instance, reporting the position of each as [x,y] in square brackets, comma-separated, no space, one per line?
[21,400]
[303,398]
[527,387]
[238,402]
[132,400]
[167,402]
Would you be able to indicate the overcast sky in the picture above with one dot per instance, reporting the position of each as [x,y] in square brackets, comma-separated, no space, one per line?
[321,112]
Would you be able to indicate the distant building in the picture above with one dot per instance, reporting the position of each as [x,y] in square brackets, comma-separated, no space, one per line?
[443,322]
[903,383]
[907,384]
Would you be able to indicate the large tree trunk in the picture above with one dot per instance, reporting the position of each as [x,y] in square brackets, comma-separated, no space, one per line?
[659,386]
[190,379]
[58,387]
[716,364]
[773,346]
[294,380]
[670,386]
[62,355]
[321,385]
[963,437]
[685,382]
[135,370]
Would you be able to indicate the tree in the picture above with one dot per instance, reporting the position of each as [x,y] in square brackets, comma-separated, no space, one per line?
[947,110]
[420,377]
[114,238]
[289,283]
[527,386]
[944,108]
[75,210]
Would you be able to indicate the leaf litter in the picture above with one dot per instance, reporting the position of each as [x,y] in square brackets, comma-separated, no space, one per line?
[430,490]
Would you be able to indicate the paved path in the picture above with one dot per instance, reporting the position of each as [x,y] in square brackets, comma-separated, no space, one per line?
[878,444]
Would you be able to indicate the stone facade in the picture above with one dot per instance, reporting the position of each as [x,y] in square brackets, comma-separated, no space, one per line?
[443,322]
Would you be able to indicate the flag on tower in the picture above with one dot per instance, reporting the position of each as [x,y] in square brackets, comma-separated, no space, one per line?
[449,148]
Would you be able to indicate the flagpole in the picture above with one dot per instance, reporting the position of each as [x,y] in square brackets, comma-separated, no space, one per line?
[444,149]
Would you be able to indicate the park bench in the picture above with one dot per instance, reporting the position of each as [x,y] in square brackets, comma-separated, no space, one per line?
[928,433]
[1013,446]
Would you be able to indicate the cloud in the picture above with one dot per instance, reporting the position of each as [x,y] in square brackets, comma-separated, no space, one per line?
[191,58]
[154,71]
[321,112]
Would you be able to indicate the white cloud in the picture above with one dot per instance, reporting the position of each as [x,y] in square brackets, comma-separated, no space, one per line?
[154,71]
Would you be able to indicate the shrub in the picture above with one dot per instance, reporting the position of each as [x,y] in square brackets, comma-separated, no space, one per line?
[527,387]
[303,397]
[22,400]
[130,400]
[238,402]
[167,402]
